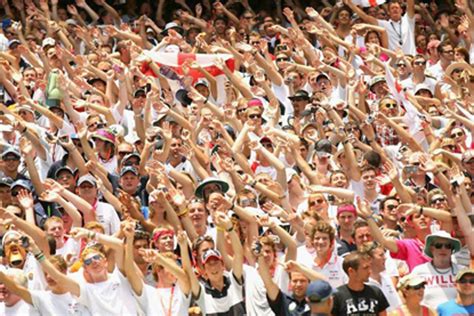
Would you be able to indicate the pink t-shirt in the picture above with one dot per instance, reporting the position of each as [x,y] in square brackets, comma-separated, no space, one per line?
[411,251]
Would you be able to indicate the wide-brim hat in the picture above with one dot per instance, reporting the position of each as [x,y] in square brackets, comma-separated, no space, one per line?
[200,189]
[444,235]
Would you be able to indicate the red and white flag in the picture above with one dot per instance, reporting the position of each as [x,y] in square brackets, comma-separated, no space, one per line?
[368,3]
[176,60]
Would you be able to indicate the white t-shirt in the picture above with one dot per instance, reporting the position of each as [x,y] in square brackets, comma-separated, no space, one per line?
[440,287]
[21,308]
[402,31]
[34,273]
[107,216]
[111,297]
[388,290]
[160,301]
[256,301]
[48,303]
[70,248]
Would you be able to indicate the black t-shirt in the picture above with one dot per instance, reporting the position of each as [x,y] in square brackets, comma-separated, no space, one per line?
[285,305]
[368,302]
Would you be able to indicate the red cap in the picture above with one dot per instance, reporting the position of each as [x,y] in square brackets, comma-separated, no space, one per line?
[349,208]
[255,102]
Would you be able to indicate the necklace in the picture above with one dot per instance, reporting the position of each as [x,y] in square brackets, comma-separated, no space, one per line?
[399,34]
[170,303]
[439,272]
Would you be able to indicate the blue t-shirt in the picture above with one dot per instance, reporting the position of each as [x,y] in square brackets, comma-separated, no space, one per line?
[451,308]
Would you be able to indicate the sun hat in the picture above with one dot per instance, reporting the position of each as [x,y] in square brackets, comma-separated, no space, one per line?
[444,235]
[200,189]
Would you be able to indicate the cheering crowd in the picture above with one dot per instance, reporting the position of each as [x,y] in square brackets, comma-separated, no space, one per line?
[284,157]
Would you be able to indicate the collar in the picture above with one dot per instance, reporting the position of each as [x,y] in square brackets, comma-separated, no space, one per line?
[215,293]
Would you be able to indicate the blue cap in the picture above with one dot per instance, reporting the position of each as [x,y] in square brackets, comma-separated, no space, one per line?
[128,169]
[6,23]
[25,184]
[318,291]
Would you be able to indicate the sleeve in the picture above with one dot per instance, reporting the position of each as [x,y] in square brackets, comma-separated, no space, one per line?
[36,299]
[200,300]
[278,305]
[336,305]
[402,253]
[144,299]
[383,303]
[84,297]
[383,23]
[114,221]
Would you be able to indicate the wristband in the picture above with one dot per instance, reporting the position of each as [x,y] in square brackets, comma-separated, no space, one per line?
[421,210]
[41,258]
[230,229]
[37,255]
[183,212]
[219,229]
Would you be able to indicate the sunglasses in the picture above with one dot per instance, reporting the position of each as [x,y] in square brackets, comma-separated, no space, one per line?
[318,201]
[438,200]
[255,116]
[401,65]
[11,159]
[390,105]
[391,207]
[449,52]
[89,261]
[241,110]
[96,125]
[267,145]
[420,63]
[465,281]
[281,59]
[417,287]
[124,153]
[458,134]
[439,245]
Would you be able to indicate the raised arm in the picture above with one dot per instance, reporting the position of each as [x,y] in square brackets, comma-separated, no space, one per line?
[186,262]
[223,222]
[364,16]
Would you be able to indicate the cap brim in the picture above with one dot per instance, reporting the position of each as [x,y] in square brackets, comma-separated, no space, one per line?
[200,189]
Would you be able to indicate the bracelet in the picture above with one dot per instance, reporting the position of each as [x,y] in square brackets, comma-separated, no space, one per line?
[370,140]
[93,235]
[345,141]
[253,183]
[230,229]
[41,258]
[184,212]
[37,255]
[219,229]
[421,210]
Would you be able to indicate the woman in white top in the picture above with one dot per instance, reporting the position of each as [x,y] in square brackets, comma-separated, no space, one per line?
[171,295]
